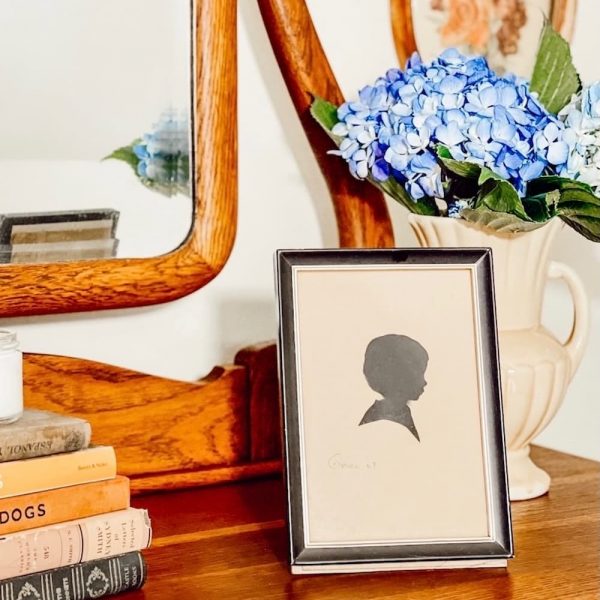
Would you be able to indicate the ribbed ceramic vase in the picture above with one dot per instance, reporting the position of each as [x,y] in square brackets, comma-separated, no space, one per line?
[536,368]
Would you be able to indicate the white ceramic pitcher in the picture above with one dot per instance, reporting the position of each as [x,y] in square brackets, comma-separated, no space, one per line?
[536,368]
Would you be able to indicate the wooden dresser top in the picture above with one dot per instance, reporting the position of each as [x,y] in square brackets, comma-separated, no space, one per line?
[230,541]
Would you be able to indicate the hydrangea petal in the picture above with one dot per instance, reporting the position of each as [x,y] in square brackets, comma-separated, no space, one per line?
[558,153]
[450,135]
[452,84]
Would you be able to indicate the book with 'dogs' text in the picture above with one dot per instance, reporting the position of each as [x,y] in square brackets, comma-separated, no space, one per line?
[95,579]
[40,509]
[74,542]
[59,470]
[41,433]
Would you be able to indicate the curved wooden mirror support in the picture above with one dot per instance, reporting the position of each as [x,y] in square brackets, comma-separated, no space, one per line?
[361,213]
[33,289]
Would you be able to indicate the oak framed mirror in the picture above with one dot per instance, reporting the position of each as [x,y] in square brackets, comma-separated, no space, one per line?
[106,134]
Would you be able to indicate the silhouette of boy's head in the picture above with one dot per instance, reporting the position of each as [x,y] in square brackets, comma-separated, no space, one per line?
[395,367]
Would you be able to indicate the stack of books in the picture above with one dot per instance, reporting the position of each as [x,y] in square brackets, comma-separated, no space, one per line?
[58,236]
[66,527]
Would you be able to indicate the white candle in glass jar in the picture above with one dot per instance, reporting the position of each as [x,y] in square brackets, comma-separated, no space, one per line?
[11,378]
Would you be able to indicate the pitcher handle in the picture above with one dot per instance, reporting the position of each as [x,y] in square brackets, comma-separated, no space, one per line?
[576,342]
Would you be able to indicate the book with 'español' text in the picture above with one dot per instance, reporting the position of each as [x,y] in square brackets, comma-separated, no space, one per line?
[41,433]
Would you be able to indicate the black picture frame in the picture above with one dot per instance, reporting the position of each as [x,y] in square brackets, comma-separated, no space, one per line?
[500,544]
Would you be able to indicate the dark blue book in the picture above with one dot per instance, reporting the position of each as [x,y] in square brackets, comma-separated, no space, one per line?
[94,579]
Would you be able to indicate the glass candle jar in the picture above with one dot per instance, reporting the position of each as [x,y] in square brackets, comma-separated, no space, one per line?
[11,378]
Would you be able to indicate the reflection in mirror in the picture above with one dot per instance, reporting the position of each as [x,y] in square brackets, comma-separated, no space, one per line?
[95,121]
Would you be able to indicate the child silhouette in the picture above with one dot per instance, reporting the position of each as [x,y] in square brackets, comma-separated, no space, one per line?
[395,367]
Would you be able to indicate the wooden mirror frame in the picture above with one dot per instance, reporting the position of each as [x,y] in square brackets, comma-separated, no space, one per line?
[166,433]
[34,289]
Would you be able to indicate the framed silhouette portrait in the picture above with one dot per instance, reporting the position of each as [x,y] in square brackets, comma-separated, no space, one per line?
[394,442]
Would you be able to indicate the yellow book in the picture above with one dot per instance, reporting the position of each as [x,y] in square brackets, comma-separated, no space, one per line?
[60,470]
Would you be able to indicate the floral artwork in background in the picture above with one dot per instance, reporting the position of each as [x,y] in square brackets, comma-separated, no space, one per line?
[161,157]
[478,23]
[452,137]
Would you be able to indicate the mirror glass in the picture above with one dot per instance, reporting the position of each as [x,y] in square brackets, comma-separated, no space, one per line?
[95,135]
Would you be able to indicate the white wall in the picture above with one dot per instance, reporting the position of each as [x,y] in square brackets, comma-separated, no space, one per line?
[284,203]
[79,79]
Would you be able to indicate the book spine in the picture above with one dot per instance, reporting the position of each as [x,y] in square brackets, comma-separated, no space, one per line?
[95,579]
[57,471]
[40,509]
[44,441]
[75,542]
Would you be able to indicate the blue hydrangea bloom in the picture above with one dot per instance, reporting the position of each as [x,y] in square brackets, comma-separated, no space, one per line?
[394,126]
[163,154]
[582,119]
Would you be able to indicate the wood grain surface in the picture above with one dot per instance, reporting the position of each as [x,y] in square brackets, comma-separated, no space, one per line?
[403,31]
[260,362]
[563,17]
[360,209]
[230,542]
[167,433]
[98,284]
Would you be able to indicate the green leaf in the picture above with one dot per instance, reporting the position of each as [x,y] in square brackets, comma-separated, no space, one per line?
[555,78]
[580,209]
[498,221]
[577,196]
[325,113]
[443,151]
[576,209]
[489,175]
[462,168]
[499,195]
[394,189]
[537,208]
[588,227]
[125,154]
[552,199]
[549,183]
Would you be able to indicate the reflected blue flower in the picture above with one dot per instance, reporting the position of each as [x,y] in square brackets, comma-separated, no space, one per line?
[164,154]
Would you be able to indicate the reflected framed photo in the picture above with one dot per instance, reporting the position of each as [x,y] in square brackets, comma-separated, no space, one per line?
[392,409]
